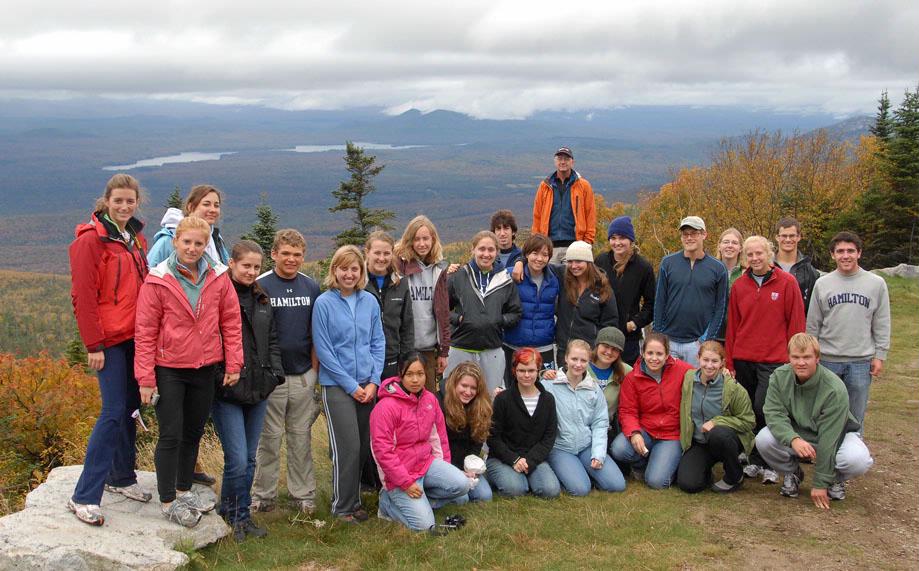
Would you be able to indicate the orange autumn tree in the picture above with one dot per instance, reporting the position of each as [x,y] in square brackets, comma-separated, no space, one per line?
[754,180]
[605,215]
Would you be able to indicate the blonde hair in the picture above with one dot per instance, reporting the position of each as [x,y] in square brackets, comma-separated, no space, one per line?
[197,194]
[192,223]
[346,256]
[578,344]
[478,416]
[289,237]
[766,243]
[381,236]
[803,342]
[120,180]
[404,248]
[740,259]
[482,235]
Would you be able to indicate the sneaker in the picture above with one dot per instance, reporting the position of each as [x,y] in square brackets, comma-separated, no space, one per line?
[837,491]
[180,513]
[203,478]
[723,487]
[132,492]
[246,528]
[752,471]
[770,476]
[194,501]
[306,507]
[791,483]
[742,458]
[264,506]
[87,513]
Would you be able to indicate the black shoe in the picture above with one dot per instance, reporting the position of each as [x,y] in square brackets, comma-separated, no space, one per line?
[239,531]
[360,514]
[203,478]
[255,531]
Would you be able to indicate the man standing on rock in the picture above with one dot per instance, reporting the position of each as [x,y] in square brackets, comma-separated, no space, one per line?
[293,406]
[790,259]
[564,207]
[850,316]
[808,418]
[692,294]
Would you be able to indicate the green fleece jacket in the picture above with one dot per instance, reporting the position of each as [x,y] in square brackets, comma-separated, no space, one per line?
[736,411]
[816,410]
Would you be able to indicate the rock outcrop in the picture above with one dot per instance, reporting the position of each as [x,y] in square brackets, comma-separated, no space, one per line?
[902,270]
[45,535]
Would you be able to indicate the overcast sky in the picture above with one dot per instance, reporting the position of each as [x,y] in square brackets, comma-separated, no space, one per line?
[496,59]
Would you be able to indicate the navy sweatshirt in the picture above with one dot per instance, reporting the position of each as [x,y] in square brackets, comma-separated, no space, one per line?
[292,303]
[690,301]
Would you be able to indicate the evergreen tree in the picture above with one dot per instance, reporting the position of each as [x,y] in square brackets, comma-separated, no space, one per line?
[351,195]
[175,199]
[76,352]
[882,127]
[264,229]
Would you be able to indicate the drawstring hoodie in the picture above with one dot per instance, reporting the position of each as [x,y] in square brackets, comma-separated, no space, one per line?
[482,279]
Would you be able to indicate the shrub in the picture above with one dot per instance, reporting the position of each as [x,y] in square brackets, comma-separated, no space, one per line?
[47,411]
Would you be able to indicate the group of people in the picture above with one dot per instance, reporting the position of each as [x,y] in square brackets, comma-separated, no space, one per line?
[534,370]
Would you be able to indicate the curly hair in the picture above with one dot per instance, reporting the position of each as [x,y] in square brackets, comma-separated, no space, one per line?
[477,414]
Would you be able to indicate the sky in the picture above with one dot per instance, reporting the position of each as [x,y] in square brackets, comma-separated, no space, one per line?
[489,59]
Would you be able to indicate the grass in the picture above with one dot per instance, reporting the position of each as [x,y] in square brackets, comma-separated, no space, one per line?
[641,528]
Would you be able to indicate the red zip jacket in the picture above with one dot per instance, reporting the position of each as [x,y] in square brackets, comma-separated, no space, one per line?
[170,333]
[645,403]
[106,274]
[406,434]
[761,319]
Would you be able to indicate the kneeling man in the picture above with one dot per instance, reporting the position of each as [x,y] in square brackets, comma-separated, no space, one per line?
[807,418]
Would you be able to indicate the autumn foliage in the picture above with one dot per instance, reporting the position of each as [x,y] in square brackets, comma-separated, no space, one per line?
[47,411]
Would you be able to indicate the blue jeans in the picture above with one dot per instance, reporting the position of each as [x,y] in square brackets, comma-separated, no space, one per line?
[110,454]
[239,428]
[575,473]
[688,352]
[443,483]
[481,492]
[856,375]
[541,481]
[661,463]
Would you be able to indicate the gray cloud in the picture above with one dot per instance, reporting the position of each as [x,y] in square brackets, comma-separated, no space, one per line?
[489,59]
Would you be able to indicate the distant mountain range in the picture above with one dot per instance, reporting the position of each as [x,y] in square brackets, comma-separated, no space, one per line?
[52,156]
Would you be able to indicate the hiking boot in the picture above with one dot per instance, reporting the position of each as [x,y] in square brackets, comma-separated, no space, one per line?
[87,513]
[723,487]
[180,513]
[245,528]
[837,491]
[770,476]
[194,501]
[264,506]
[360,514]
[791,483]
[203,478]
[752,470]
[132,492]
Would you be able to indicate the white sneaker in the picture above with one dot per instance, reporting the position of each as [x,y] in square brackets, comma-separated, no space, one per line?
[132,492]
[87,513]
[194,502]
[752,470]
[837,491]
[770,476]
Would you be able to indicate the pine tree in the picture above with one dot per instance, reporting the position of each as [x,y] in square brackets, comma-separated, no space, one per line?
[351,195]
[264,229]
[75,352]
[175,199]
[882,124]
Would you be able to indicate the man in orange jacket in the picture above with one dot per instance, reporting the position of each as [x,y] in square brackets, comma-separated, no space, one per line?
[564,206]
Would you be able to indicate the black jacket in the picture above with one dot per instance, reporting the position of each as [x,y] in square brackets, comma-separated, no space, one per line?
[806,275]
[582,321]
[479,320]
[634,290]
[515,434]
[262,369]
[396,311]
[461,442]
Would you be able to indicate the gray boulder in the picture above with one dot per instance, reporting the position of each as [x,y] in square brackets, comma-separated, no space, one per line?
[902,270]
[46,535]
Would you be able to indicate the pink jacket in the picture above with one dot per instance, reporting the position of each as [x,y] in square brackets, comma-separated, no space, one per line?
[168,332]
[406,434]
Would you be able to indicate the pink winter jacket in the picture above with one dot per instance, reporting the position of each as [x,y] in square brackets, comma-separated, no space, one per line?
[407,433]
[168,332]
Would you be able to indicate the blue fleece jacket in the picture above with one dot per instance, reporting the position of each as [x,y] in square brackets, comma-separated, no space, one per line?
[583,418]
[691,301]
[350,347]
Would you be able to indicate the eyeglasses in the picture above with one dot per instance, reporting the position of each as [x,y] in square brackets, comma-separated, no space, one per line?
[787,236]
[690,233]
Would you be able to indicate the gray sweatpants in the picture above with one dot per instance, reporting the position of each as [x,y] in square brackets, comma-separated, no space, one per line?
[292,410]
[349,441]
[852,459]
[491,361]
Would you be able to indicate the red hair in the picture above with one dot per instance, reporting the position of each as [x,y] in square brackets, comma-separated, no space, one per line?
[525,355]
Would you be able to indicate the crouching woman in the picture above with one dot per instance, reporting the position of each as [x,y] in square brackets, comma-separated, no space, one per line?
[408,437]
